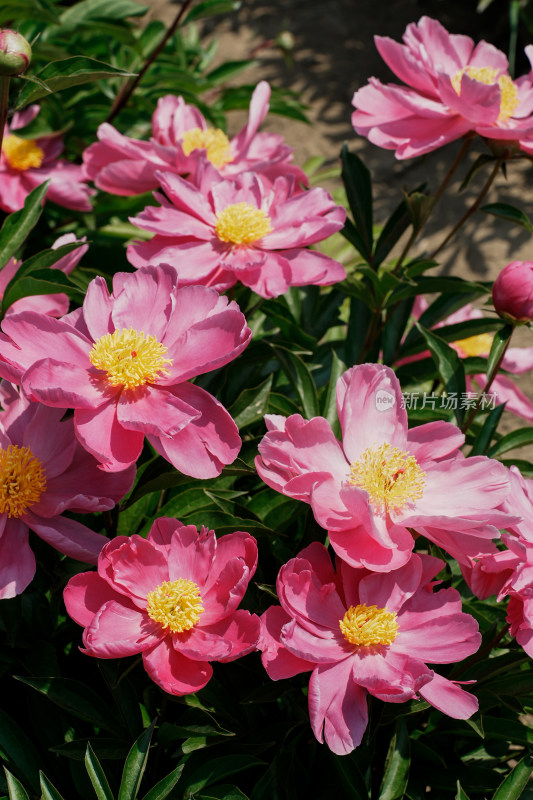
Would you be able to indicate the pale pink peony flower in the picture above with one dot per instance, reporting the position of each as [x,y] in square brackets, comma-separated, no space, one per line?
[172,597]
[44,471]
[26,163]
[516,360]
[384,479]
[512,293]
[362,632]
[228,231]
[55,305]
[453,87]
[123,362]
[180,139]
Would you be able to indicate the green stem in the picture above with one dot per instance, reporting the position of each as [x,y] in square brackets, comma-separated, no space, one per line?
[473,208]
[128,88]
[470,417]
[4,100]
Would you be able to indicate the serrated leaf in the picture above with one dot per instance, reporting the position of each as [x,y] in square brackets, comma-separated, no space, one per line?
[135,765]
[48,790]
[66,73]
[514,784]
[397,764]
[510,213]
[97,775]
[18,225]
[15,788]
[165,785]
[358,185]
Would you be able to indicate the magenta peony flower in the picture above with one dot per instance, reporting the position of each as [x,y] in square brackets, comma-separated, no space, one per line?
[362,632]
[172,597]
[43,472]
[225,231]
[26,163]
[55,305]
[453,87]
[180,139]
[385,479]
[123,363]
[512,293]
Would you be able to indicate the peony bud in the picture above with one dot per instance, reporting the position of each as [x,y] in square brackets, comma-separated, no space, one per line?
[512,293]
[15,53]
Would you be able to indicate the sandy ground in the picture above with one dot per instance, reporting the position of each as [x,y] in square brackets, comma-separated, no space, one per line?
[333,54]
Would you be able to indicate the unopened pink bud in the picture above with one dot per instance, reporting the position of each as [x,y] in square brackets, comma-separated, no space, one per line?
[512,293]
[15,52]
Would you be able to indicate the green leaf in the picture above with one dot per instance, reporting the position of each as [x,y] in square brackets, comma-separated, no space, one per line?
[449,365]
[329,406]
[227,70]
[419,207]
[510,213]
[252,404]
[484,437]
[66,73]
[461,794]
[89,10]
[44,281]
[514,784]
[358,185]
[223,792]
[499,345]
[135,765]
[163,788]
[17,226]
[17,750]
[300,377]
[392,232]
[209,8]
[519,438]
[97,775]
[212,771]
[397,764]
[75,697]
[15,788]
[48,790]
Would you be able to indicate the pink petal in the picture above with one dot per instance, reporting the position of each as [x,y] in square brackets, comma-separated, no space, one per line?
[449,698]
[118,629]
[277,660]
[173,672]
[17,562]
[84,595]
[101,434]
[68,536]
[154,411]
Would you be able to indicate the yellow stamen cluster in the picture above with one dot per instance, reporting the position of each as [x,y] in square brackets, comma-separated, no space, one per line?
[22,154]
[475,345]
[368,625]
[487,75]
[177,605]
[22,480]
[213,141]
[130,358]
[242,223]
[391,477]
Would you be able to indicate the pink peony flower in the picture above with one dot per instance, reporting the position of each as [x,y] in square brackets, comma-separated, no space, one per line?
[172,597]
[453,87]
[44,471]
[384,479]
[516,361]
[512,293]
[362,632]
[180,139]
[55,305]
[123,363]
[224,232]
[26,163]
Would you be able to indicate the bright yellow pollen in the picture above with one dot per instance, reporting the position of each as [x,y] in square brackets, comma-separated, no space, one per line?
[22,153]
[475,345]
[367,625]
[213,141]
[487,75]
[242,223]
[175,604]
[131,359]
[391,477]
[22,480]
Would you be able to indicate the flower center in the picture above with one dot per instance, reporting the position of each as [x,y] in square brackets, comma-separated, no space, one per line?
[175,604]
[22,154]
[487,75]
[391,477]
[22,480]
[367,625]
[474,345]
[130,358]
[213,141]
[242,223]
